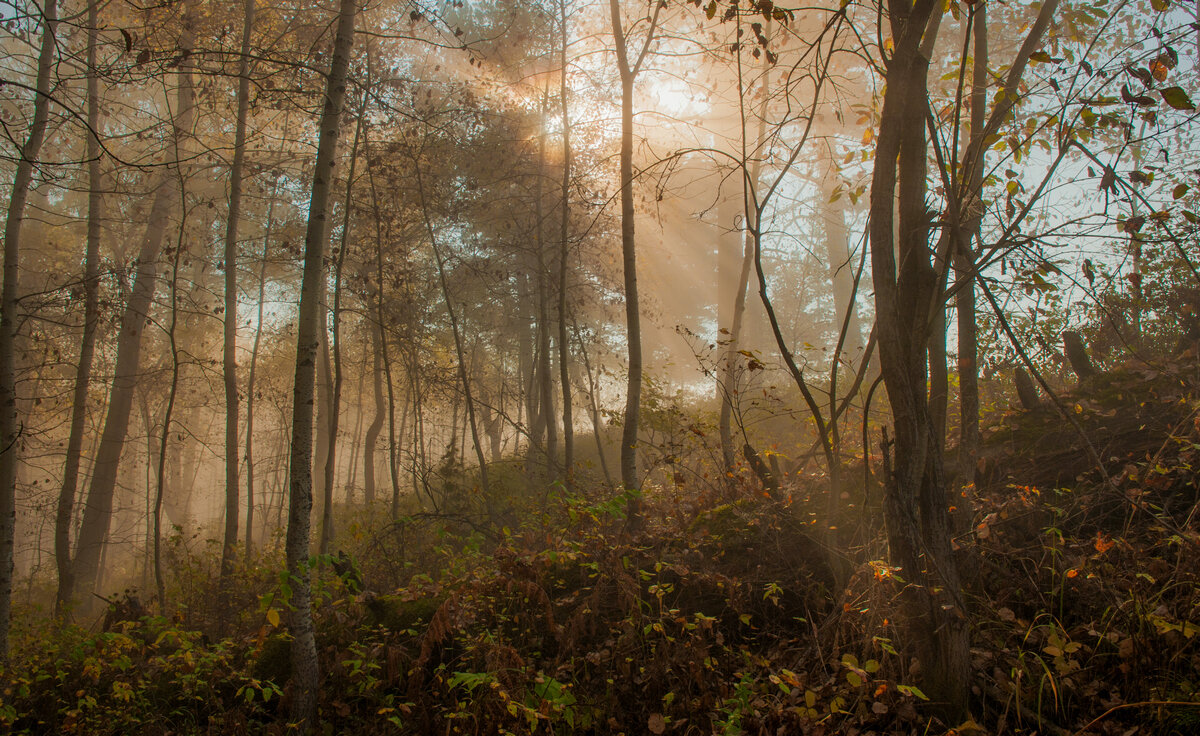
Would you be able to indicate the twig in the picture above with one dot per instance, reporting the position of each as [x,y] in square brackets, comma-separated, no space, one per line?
[1142,704]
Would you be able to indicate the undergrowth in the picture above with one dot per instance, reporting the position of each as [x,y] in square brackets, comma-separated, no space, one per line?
[730,618]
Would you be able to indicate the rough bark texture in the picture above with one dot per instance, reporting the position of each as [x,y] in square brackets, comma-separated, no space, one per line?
[633,321]
[545,375]
[964,300]
[1026,391]
[97,513]
[229,351]
[91,320]
[376,425]
[305,672]
[168,415]
[463,379]
[10,433]
[750,208]
[564,352]
[251,380]
[335,399]
[918,526]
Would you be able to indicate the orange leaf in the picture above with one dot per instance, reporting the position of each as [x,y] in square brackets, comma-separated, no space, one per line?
[1072,573]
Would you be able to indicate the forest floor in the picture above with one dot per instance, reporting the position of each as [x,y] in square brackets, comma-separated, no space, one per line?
[724,618]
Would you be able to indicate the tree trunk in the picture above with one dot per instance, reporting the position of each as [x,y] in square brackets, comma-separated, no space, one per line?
[324,403]
[305,672]
[964,299]
[229,351]
[564,352]
[633,391]
[918,525]
[10,432]
[91,321]
[381,344]
[97,514]
[458,347]
[335,401]
[545,376]
[729,267]
[597,426]
[168,414]
[355,445]
[730,403]
[376,425]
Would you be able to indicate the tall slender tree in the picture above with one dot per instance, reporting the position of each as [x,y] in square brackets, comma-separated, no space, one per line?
[305,669]
[97,513]
[229,347]
[906,294]
[10,432]
[91,320]
[564,231]
[629,66]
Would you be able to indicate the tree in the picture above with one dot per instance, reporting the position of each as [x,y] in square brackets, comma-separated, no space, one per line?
[97,515]
[305,671]
[10,429]
[629,69]
[91,319]
[564,352]
[229,350]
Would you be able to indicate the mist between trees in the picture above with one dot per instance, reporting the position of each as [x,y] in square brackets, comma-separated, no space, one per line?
[282,277]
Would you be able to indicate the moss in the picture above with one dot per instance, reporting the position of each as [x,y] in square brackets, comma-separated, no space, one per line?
[727,521]
[274,662]
[395,613]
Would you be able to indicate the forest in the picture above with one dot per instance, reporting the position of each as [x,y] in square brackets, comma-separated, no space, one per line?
[577,367]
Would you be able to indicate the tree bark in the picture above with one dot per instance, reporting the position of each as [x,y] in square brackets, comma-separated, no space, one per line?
[564,345]
[168,414]
[464,380]
[324,407]
[229,348]
[91,321]
[545,376]
[964,299]
[918,526]
[97,514]
[376,425]
[10,431]
[251,380]
[335,401]
[633,390]
[730,403]
[597,425]
[305,670]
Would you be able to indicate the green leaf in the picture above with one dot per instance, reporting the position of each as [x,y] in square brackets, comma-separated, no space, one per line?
[1177,98]
[912,690]
[711,10]
[1179,190]
[1160,5]
[854,679]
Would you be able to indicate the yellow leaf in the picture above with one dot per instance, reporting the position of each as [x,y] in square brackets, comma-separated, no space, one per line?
[273,616]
